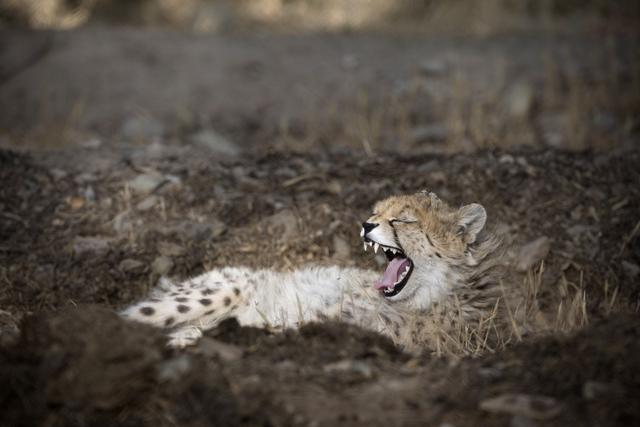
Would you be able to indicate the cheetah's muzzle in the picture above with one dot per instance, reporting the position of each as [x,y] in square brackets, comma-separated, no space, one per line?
[398,271]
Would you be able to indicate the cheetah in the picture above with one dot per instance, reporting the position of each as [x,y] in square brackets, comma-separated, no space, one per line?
[437,256]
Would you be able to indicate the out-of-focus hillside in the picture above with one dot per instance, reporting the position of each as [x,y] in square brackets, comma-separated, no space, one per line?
[432,16]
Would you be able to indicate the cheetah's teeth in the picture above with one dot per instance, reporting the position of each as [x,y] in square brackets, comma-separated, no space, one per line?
[362,232]
[365,246]
[375,247]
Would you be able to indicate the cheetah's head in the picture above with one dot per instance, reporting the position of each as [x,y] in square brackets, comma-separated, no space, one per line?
[426,243]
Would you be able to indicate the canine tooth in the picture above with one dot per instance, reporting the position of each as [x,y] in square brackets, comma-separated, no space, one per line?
[393,251]
[362,232]
[406,269]
[375,247]
[365,246]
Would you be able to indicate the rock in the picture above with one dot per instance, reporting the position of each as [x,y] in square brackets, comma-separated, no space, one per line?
[519,100]
[531,406]
[90,245]
[432,67]
[199,231]
[431,133]
[215,142]
[147,203]
[162,265]
[593,390]
[141,129]
[58,174]
[532,253]
[146,183]
[225,352]
[552,128]
[169,249]
[131,266]
[631,269]
[284,224]
[361,369]
[175,369]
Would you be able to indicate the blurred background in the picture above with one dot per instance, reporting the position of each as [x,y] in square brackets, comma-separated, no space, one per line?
[370,75]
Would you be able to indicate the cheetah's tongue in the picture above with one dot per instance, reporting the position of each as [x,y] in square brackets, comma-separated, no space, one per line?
[392,274]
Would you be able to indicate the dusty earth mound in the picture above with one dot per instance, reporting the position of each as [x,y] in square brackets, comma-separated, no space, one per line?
[100,226]
[86,366]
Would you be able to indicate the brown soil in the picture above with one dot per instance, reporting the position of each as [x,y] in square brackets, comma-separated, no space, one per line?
[85,366]
[81,235]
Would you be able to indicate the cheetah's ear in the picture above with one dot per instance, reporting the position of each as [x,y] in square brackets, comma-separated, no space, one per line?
[471,220]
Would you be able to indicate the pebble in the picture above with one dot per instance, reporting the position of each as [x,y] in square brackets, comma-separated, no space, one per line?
[215,142]
[355,366]
[162,265]
[225,352]
[141,129]
[90,245]
[147,203]
[145,183]
[131,266]
[525,405]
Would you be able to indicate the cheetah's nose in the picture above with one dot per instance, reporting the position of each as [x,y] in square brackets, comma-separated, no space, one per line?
[367,226]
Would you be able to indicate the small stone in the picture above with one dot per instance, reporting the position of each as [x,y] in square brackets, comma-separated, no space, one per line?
[145,183]
[147,203]
[432,67]
[204,231]
[169,249]
[141,129]
[531,406]
[75,203]
[432,133]
[360,368]
[532,253]
[131,266]
[632,270]
[90,245]
[174,369]
[593,390]
[226,352]
[58,174]
[215,142]
[284,224]
[162,265]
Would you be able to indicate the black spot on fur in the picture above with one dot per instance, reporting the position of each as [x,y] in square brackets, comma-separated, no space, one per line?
[236,291]
[183,308]
[173,294]
[234,307]
[227,301]
[205,301]
[147,311]
[182,299]
[438,255]
[208,292]
[206,313]
[169,321]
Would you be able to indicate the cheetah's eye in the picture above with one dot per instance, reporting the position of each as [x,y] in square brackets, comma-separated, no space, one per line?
[402,220]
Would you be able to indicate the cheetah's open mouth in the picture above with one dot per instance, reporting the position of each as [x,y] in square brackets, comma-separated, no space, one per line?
[398,271]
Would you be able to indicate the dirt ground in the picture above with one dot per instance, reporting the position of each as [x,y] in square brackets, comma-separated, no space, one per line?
[95,207]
